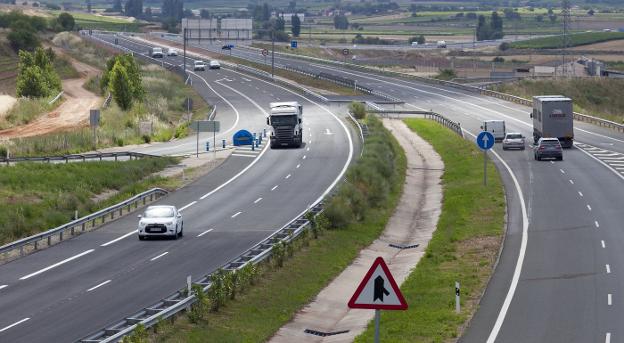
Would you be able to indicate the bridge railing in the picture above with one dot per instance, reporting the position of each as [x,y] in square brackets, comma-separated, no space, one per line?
[77,157]
[453,126]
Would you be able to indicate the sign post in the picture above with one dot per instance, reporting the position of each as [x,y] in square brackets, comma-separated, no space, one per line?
[206,126]
[485,141]
[345,53]
[265,53]
[378,291]
[94,122]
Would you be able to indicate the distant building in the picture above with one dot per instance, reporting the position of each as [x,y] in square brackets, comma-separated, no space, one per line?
[288,16]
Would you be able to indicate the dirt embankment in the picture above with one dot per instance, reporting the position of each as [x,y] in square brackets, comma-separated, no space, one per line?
[73,112]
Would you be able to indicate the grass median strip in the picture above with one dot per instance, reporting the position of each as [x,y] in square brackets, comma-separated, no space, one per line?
[358,214]
[464,247]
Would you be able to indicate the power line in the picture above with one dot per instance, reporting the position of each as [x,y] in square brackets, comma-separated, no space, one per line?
[565,44]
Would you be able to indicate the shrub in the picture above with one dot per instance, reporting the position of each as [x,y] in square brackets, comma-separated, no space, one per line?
[446,74]
[358,110]
[498,59]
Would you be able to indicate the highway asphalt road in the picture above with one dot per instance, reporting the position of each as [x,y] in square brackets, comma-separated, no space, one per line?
[66,292]
[560,275]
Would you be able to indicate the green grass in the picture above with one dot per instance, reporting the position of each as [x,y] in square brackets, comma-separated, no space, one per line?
[578,39]
[64,68]
[265,307]
[463,248]
[597,97]
[619,65]
[96,22]
[35,197]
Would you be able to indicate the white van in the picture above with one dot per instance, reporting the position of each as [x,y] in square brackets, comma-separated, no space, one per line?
[441,44]
[496,128]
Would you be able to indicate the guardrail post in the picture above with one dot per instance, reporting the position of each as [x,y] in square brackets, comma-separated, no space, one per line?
[21,250]
[49,240]
[73,231]
[83,227]
[36,245]
[61,235]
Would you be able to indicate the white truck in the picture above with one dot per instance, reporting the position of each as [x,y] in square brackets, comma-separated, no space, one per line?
[157,53]
[441,44]
[286,121]
[496,128]
[553,117]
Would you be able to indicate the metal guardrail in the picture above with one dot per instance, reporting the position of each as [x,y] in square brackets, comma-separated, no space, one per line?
[77,157]
[44,239]
[453,126]
[180,301]
[58,96]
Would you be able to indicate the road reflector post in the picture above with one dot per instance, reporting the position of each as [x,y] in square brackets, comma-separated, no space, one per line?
[207,146]
[457,302]
[223,143]
[264,132]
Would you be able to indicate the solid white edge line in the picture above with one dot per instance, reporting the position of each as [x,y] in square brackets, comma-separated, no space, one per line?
[608,337]
[187,206]
[3,286]
[57,264]
[523,246]
[257,200]
[159,256]
[205,232]
[236,214]
[596,223]
[241,155]
[609,299]
[14,324]
[118,239]
[608,268]
[98,286]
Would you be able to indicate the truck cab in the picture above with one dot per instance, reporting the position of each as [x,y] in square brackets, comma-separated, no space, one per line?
[286,121]
[496,128]
[157,53]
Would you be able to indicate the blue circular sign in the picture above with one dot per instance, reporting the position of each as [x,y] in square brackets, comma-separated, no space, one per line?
[485,140]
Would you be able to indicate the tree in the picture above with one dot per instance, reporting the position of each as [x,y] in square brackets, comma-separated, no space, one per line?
[279,24]
[172,10]
[418,39]
[134,8]
[341,22]
[295,25]
[36,77]
[204,14]
[66,21]
[131,77]
[120,86]
[591,12]
[497,26]
[23,36]
[187,13]
[117,6]
[553,18]
[266,12]
[148,12]
[483,30]
[539,18]
[292,6]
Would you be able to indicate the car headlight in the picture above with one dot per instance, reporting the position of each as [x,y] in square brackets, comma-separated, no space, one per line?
[169,223]
[142,224]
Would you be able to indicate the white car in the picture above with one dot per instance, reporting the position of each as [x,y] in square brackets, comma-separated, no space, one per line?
[161,221]
[214,64]
[513,140]
[199,65]
[172,52]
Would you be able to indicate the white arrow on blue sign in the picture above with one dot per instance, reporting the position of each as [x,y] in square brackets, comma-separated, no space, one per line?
[485,140]
[293,44]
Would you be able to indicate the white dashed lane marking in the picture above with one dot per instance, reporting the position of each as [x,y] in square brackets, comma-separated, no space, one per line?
[608,268]
[236,214]
[14,324]
[98,286]
[159,256]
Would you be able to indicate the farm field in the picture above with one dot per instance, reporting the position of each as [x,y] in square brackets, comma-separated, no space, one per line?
[578,39]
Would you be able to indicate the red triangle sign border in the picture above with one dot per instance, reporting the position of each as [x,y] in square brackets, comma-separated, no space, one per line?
[379,261]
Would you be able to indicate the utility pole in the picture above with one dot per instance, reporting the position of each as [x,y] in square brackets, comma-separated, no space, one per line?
[565,13]
[184,44]
[273,53]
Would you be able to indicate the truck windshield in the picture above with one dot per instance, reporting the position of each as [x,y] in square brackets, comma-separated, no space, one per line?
[284,120]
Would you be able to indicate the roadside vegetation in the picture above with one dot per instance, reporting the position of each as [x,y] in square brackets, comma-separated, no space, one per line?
[35,197]
[555,42]
[153,98]
[597,97]
[354,217]
[463,248]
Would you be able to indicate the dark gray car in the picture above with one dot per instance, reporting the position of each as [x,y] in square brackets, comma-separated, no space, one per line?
[548,148]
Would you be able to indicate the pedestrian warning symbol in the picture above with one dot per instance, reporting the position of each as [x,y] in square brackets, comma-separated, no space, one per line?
[378,290]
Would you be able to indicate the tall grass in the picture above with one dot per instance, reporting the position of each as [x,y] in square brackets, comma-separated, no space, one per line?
[64,68]
[598,97]
[35,197]
[25,111]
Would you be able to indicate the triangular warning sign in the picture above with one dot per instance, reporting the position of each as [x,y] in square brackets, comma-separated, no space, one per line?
[378,290]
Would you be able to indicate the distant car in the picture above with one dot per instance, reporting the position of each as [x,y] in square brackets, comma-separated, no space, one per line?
[161,221]
[414,44]
[227,47]
[441,44]
[172,52]
[513,141]
[214,64]
[157,53]
[548,148]
[199,65]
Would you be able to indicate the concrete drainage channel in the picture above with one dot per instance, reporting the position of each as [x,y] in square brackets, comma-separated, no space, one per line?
[179,301]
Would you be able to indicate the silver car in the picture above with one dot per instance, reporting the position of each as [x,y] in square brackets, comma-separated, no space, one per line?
[514,140]
[161,221]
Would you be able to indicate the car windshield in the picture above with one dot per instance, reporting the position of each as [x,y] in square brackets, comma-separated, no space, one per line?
[199,62]
[158,212]
[284,120]
[514,136]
